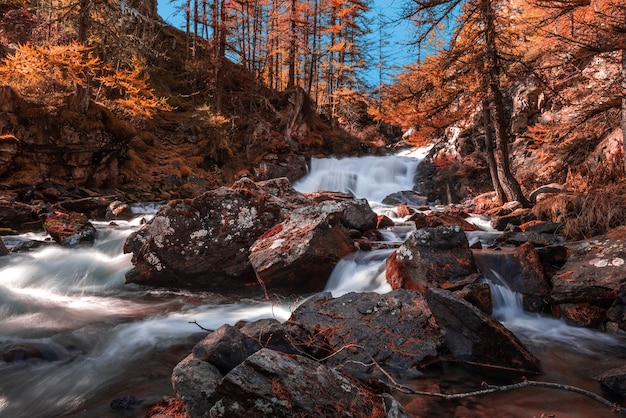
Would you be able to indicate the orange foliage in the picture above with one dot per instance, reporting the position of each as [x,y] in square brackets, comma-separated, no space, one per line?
[50,75]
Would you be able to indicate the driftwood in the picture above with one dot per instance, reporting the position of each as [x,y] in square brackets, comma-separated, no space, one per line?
[505,388]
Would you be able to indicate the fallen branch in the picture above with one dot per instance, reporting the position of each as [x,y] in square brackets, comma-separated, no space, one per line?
[200,326]
[525,383]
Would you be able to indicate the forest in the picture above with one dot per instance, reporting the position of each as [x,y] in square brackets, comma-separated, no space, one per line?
[221,77]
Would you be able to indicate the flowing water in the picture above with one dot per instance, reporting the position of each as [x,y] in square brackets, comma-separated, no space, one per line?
[74,336]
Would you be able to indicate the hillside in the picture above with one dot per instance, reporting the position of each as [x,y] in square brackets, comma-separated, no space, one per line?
[165,139]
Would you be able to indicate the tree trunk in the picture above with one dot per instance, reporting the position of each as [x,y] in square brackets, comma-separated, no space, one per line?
[623,124]
[491,157]
[510,185]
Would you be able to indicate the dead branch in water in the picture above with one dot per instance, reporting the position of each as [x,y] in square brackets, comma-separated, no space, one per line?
[505,388]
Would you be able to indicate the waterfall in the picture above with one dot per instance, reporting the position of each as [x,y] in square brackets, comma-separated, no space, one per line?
[370,177]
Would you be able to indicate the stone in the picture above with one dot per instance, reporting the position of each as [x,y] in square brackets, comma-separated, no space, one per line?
[273,384]
[583,314]
[205,241]
[613,381]
[407,198]
[432,257]
[69,228]
[517,217]
[225,348]
[476,339]
[3,248]
[194,382]
[300,253]
[395,329]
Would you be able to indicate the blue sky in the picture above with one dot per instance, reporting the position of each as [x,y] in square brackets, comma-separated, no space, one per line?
[396,36]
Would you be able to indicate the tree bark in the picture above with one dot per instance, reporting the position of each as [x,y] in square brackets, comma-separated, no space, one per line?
[510,185]
[491,158]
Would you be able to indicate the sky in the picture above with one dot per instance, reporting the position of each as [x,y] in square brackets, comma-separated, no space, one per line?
[396,36]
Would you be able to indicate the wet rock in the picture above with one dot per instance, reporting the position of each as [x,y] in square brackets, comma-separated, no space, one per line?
[542,227]
[407,198]
[395,329]
[225,348]
[272,384]
[516,217]
[433,219]
[520,270]
[617,312]
[432,257]
[3,248]
[594,273]
[300,253]
[20,216]
[582,314]
[95,206]
[205,241]
[404,211]
[475,338]
[69,228]
[535,238]
[614,381]
[479,295]
[355,213]
[118,210]
[194,382]
[384,222]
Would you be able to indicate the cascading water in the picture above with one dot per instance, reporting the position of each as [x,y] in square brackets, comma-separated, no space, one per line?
[73,336]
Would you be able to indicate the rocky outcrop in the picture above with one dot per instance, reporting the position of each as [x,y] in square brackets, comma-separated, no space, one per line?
[265,231]
[69,228]
[327,358]
[477,339]
[432,257]
[20,216]
[395,329]
[589,283]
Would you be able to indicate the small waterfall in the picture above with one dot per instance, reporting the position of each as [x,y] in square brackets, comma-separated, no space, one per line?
[371,177]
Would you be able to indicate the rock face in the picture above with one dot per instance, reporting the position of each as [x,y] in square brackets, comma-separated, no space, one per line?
[432,257]
[58,147]
[264,231]
[69,228]
[395,329]
[589,283]
[477,339]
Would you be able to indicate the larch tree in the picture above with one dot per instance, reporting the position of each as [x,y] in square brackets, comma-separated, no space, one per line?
[477,49]
[585,28]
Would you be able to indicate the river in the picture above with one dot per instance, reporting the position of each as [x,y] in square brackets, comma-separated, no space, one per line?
[74,336]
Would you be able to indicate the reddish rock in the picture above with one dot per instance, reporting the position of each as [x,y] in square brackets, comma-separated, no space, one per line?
[432,257]
[432,219]
[69,228]
[614,381]
[516,218]
[19,216]
[300,253]
[479,295]
[404,210]
[583,314]
[384,222]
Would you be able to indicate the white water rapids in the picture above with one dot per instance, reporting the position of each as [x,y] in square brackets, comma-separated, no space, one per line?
[96,338]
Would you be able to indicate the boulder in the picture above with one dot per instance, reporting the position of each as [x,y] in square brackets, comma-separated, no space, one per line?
[194,382]
[617,312]
[118,210]
[273,384]
[225,348]
[476,339]
[437,218]
[69,228]
[582,314]
[432,257]
[205,241]
[594,273]
[269,333]
[300,253]
[520,270]
[614,381]
[406,197]
[395,329]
